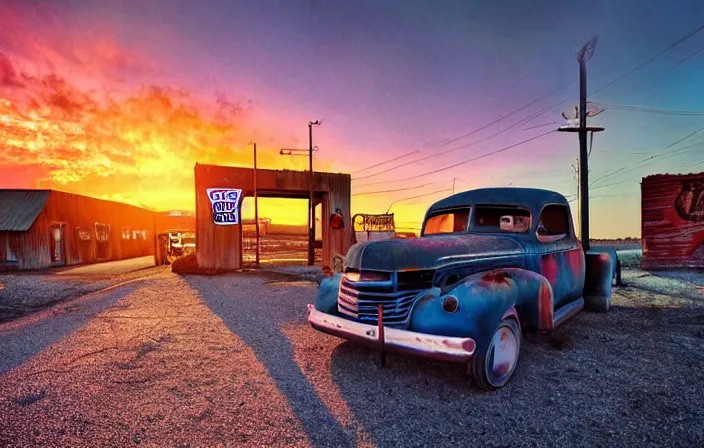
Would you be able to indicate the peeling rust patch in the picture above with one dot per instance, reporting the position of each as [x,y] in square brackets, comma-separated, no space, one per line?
[496,277]
[545,307]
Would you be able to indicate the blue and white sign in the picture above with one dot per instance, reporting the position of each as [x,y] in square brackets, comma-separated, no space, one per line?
[225,202]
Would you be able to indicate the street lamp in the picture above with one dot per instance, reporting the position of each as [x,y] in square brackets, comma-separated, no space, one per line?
[295,152]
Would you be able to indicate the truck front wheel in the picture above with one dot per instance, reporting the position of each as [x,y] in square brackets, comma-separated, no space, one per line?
[493,367]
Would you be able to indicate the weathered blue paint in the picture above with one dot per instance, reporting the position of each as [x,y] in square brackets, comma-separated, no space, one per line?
[326,297]
[600,272]
[492,275]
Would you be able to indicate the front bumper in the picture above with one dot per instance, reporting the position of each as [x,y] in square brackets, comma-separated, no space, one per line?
[431,346]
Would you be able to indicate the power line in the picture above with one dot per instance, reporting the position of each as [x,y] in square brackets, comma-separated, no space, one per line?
[417,197]
[552,123]
[607,185]
[525,106]
[694,164]
[531,117]
[638,67]
[617,194]
[385,162]
[432,156]
[674,152]
[399,189]
[479,157]
[608,195]
[624,152]
[648,109]
[537,114]
[687,58]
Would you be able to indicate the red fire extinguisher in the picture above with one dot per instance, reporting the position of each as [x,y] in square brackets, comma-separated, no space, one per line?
[337,222]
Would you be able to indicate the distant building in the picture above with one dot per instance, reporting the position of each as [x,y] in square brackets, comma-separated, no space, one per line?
[672,221]
[175,220]
[43,228]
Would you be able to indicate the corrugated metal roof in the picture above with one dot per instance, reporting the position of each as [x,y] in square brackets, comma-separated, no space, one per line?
[19,208]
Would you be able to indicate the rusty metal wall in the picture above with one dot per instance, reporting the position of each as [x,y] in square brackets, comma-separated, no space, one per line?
[79,214]
[672,221]
[220,247]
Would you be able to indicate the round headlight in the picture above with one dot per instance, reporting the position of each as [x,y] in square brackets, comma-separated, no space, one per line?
[450,304]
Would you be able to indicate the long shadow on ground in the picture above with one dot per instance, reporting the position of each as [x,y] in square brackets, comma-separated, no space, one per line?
[256,314]
[20,344]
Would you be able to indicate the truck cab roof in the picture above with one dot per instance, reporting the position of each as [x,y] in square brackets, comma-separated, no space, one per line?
[532,198]
[532,206]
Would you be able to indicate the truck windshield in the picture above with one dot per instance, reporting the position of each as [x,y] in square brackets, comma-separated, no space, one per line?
[500,219]
[449,221]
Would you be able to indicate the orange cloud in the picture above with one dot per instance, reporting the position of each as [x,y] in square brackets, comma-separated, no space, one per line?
[138,147]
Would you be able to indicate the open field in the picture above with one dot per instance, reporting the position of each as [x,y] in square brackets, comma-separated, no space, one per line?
[230,361]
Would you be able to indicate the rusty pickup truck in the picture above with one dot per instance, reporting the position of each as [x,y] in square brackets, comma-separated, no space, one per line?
[489,264]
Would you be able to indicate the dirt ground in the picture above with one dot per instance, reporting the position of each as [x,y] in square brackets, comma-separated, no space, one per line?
[230,361]
[27,292]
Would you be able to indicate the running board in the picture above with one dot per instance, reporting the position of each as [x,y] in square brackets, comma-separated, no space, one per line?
[567,311]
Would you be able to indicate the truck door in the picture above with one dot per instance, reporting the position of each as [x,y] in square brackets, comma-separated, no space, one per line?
[561,256]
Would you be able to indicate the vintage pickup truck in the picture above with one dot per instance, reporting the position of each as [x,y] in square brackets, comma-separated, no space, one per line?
[489,263]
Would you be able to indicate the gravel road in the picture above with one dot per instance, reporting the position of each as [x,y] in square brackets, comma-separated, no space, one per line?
[26,292]
[230,361]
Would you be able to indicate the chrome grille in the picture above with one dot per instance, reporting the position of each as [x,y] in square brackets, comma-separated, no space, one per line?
[360,301]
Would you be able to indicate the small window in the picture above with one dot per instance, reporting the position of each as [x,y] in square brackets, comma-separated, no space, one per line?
[451,221]
[554,223]
[501,219]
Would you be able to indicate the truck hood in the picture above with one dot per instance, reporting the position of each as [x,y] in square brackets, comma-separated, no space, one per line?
[429,252]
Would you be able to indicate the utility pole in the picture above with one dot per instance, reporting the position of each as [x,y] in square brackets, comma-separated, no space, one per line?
[584,55]
[256,208]
[583,157]
[575,167]
[311,181]
[453,185]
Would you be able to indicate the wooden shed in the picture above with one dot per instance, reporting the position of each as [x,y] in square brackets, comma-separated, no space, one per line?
[672,224]
[43,228]
[220,246]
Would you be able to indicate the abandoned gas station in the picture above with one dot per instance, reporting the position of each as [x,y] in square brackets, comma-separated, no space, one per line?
[221,189]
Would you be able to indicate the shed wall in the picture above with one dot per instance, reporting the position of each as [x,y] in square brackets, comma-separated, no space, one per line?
[672,221]
[79,215]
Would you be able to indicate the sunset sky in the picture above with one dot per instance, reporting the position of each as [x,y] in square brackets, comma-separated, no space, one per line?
[119,99]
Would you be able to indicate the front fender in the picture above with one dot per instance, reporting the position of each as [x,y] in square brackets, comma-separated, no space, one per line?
[326,296]
[484,299]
